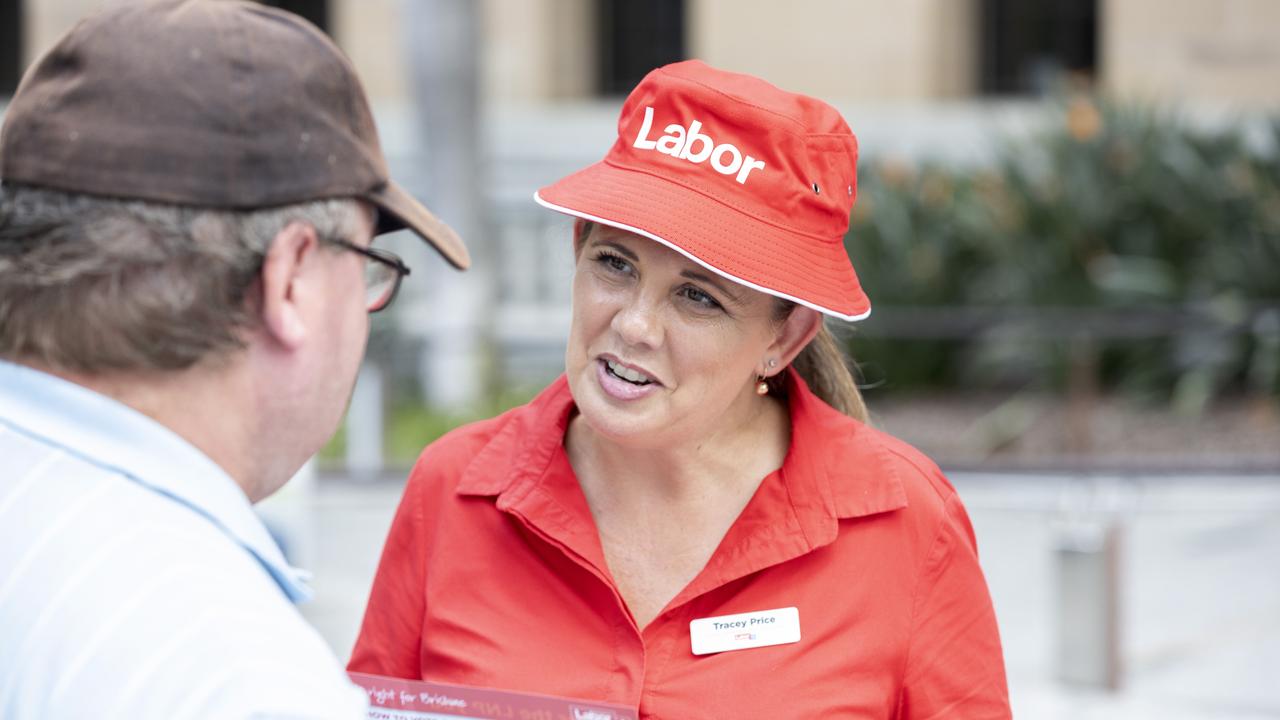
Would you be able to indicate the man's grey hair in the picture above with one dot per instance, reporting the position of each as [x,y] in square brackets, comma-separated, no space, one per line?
[93,285]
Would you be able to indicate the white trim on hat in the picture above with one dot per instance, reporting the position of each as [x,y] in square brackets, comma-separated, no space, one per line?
[586,216]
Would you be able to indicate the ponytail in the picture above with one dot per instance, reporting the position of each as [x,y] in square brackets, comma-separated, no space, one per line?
[825,368]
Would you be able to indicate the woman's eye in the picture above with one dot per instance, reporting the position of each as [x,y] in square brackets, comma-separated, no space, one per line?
[700,297]
[613,263]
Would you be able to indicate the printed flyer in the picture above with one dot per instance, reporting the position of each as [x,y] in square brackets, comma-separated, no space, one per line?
[397,699]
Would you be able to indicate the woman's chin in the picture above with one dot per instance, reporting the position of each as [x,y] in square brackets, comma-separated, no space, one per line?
[626,424]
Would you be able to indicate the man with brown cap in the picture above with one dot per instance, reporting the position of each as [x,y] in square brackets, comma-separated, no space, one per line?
[188,192]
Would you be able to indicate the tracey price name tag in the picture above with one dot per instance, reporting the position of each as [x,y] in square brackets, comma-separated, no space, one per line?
[745,630]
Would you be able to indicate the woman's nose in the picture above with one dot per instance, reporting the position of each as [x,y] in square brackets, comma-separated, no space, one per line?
[638,321]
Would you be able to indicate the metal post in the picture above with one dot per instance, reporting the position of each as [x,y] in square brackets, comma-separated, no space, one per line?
[364,425]
[443,42]
[1088,574]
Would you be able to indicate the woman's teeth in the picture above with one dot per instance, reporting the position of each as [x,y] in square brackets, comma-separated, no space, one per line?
[628,374]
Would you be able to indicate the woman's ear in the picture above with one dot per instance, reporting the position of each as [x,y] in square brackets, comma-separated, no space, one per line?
[284,289]
[797,331]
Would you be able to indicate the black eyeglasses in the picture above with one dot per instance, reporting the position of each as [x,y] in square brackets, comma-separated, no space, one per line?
[383,272]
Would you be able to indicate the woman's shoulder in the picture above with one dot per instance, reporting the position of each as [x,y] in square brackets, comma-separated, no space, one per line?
[932,511]
[877,477]
[860,446]
[868,462]
[918,472]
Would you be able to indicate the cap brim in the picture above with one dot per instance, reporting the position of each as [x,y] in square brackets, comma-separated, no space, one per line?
[743,249]
[400,211]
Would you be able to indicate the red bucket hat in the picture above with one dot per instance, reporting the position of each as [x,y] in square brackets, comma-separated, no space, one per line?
[750,181]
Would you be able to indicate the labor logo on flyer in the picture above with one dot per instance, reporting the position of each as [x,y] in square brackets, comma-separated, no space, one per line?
[397,699]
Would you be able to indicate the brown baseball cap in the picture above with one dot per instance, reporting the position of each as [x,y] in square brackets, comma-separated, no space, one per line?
[211,103]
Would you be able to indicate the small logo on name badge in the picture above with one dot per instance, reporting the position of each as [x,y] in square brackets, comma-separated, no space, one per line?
[744,631]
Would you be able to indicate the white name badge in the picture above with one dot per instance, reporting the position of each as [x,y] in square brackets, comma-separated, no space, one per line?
[745,630]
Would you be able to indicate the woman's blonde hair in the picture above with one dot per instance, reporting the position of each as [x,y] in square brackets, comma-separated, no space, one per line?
[824,365]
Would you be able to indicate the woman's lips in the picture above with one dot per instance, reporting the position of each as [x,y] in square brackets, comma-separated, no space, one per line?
[618,388]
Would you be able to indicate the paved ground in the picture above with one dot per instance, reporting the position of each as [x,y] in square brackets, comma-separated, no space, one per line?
[1199,592]
[1199,589]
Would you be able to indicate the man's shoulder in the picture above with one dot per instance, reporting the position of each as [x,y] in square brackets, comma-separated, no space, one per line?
[206,657]
[116,601]
[85,543]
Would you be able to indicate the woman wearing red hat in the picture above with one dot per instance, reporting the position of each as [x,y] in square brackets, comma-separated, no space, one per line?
[695,520]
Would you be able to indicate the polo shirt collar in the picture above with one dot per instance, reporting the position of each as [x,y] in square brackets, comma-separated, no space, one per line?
[832,472]
[111,435]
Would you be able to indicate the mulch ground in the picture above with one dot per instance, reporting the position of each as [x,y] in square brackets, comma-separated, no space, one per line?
[1108,433]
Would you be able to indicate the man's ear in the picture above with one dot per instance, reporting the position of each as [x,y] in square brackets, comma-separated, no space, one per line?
[283,286]
[797,331]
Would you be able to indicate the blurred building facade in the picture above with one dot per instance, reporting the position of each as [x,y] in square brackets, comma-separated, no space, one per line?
[915,77]
[537,51]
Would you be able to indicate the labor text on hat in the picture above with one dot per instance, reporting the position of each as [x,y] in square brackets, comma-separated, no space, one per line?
[678,142]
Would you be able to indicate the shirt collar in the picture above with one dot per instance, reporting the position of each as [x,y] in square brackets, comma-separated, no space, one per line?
[112,435]
[831,470]
[839,464]
[524,446]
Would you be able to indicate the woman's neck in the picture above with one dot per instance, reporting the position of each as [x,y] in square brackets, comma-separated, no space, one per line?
[691,470]
[661,513]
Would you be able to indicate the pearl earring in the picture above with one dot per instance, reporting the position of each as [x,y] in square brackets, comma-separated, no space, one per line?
[762,387]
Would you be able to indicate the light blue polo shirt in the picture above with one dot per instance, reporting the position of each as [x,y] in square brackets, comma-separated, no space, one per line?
[135,579]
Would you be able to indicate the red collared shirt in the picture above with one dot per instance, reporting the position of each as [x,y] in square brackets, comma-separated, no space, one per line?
[493,575]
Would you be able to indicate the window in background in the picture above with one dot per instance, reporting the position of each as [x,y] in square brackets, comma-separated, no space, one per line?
[317,11]
[636,37]
[1031,47]
[10,45]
